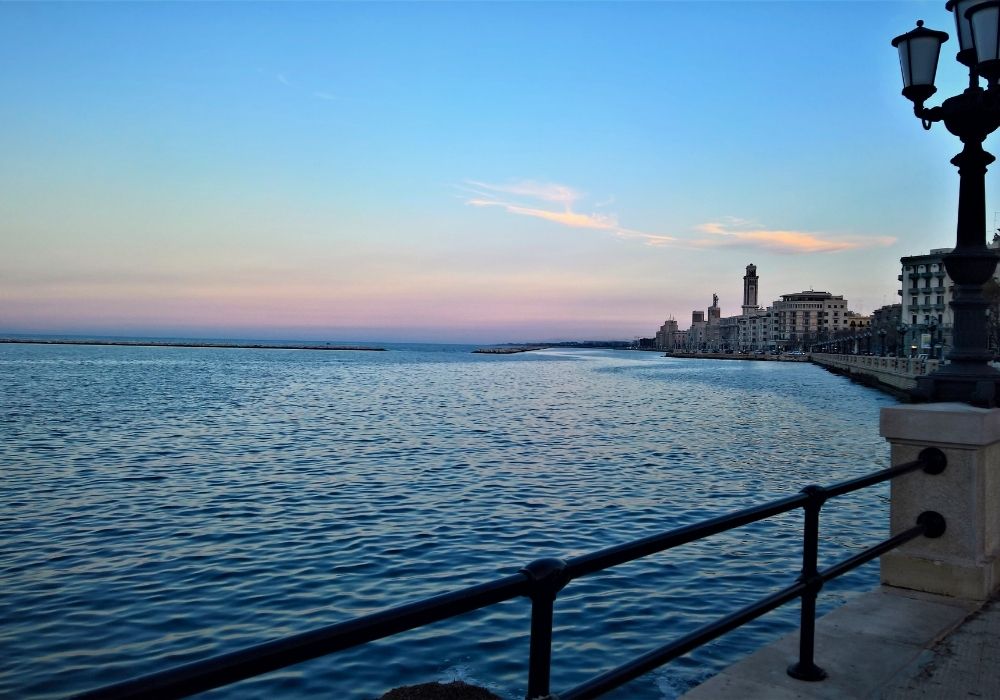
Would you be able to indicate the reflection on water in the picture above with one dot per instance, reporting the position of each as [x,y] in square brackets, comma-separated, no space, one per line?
[161,505]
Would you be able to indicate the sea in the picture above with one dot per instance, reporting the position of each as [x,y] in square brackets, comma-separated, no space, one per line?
[162,505]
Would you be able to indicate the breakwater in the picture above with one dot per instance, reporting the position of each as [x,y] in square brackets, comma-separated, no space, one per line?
[506,350]
[186,344]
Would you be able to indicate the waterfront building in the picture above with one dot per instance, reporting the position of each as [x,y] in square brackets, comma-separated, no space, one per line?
[667,337]
[925,298]
[680,340]
[729,333]
[698,332]
[885,327]
[756,331]
[925,301]
[793,322]
[803,317]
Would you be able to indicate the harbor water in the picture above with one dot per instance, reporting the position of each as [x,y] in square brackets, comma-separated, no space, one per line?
[162,505]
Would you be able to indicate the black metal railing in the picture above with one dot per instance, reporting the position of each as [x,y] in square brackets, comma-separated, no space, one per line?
[542,580]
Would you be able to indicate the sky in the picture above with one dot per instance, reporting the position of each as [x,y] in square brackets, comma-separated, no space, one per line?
[456,171]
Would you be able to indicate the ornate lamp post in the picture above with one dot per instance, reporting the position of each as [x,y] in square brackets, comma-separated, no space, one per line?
[972,116]
[881,342]
[901,340]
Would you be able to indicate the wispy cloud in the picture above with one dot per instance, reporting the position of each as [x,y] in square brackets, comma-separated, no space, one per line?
[297,86]
[734,232]
[544,191]
[566,218]
[526,197]
[560,203]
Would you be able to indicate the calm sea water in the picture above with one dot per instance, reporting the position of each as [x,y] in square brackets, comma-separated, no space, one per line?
[161,505]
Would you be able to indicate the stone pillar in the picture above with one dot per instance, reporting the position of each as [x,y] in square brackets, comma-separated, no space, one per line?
[965,561]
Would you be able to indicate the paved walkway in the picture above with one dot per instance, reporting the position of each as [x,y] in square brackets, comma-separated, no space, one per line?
[889,644]
[965,664]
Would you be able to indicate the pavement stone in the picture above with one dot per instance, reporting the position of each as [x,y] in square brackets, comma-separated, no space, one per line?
[887,644]
[965,664]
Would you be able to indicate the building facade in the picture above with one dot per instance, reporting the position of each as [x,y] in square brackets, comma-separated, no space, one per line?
[806,317]
[795,322]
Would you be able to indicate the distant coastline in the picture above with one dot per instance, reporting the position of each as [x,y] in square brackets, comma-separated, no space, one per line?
[184,344]
[512,348]
[507,350]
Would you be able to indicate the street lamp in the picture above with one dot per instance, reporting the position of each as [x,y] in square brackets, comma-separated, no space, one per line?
[972,116]
[901,340]
[881,342]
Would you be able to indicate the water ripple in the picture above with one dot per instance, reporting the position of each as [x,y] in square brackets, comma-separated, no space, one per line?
[161,505]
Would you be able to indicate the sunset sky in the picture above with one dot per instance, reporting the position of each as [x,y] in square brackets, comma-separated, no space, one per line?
[456,172]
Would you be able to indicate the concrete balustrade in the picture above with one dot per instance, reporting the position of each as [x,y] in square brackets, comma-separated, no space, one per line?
[894,372]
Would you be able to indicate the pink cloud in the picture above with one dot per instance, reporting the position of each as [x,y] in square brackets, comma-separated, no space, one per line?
[738,233]
[487,196]
[527,198]
[566,218]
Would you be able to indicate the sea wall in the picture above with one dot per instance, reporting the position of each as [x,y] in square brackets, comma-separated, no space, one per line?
[761,356]
[898,375]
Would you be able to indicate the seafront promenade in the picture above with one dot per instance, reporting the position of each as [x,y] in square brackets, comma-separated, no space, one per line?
[897,375]
[755,356]
[932,628]
[890,643]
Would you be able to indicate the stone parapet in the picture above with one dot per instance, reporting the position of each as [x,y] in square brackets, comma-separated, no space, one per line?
[896,372]
[965,561]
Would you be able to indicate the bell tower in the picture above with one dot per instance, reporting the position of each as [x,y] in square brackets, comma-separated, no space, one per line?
[750,282]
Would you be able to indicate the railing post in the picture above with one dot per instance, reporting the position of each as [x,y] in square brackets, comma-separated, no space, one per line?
[805,669]
[548,576]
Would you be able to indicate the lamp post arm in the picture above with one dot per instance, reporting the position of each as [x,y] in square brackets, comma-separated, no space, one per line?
[928,115]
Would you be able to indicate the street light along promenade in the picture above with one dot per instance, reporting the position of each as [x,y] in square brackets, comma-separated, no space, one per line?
[972,116]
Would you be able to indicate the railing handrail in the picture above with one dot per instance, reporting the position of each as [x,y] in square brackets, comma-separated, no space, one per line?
[541,581]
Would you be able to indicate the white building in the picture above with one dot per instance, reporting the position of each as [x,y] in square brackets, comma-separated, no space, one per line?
[804,315]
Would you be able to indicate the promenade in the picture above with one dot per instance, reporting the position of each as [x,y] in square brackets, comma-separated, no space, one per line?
[891,643]
[897,375]
[932,629]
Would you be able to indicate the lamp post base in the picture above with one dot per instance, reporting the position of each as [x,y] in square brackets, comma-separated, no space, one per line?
[979,388]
